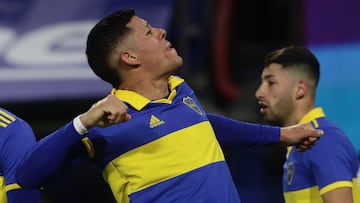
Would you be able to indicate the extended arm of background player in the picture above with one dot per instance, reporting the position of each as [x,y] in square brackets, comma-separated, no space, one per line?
[231,132]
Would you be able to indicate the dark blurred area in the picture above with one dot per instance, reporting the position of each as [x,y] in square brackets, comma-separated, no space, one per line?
[223,44]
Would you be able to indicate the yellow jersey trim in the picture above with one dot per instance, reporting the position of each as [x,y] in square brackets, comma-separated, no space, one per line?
[308,195]
[173,155]
[356,189]
[8,116]
[3,198]
[89,146]
[335,185]
[13,186]
[3,124]
[5,119]
[139,102]
[311,116]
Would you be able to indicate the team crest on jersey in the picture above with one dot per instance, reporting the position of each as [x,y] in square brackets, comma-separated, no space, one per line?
[290,172]
[191,103]
[155,122]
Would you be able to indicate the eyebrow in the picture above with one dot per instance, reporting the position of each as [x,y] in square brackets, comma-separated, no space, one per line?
[269,76]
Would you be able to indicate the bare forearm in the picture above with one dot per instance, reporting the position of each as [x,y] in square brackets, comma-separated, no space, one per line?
[339,195]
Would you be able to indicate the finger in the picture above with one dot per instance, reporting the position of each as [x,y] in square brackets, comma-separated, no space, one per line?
[302,148]
[127,117]
[312,140]
[119,117]
[319,133]
[117,112]
[306,143]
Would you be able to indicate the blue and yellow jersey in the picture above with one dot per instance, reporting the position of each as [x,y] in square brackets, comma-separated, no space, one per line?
[16,137]
[331,163]
[168,152]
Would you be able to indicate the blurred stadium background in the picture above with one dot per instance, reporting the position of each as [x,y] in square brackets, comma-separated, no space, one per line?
[44,77]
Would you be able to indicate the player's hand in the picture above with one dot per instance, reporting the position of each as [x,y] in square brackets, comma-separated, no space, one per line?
[105,112]
[303,136]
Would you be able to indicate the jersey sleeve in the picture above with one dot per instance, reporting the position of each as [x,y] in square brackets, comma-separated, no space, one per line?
[231,132]
[23,195]
[47,156]
[17,139]
[330,160]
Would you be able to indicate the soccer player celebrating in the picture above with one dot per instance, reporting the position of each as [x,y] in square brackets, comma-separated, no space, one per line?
[168,151]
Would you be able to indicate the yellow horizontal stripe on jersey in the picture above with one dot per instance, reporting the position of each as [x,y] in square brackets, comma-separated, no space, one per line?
[170,156]
[335,185]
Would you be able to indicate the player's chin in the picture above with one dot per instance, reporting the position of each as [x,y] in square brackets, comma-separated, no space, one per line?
[177,62]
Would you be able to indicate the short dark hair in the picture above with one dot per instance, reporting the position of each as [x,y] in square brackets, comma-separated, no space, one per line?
[296,57]
[102,40]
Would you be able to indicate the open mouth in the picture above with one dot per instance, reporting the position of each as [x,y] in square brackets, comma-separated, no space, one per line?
[263,107]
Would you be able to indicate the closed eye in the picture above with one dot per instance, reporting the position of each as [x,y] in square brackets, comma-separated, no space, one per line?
[149,29]
[149,32]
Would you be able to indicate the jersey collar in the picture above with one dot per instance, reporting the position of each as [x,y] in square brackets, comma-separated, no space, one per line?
[139,102]
[313,115]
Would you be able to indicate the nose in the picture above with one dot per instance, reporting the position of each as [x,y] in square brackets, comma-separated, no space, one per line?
[162,33]
[259,93]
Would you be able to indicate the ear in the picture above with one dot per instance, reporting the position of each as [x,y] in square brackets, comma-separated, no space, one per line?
[129,58]
[301,89]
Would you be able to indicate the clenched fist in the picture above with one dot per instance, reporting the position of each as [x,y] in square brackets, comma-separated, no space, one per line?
[105,112]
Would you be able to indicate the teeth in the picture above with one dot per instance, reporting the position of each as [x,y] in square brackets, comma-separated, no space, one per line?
[262,110]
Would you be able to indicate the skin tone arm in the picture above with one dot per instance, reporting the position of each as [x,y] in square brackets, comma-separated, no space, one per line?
[339,195]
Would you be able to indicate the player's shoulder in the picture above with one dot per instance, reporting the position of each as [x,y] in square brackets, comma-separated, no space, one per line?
[330,127]
[333,136]
[9,120]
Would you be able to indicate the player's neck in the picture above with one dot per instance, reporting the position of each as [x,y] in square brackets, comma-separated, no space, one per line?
[151,89]
[299,112]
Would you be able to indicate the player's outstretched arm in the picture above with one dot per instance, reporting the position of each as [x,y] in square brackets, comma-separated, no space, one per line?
[49,154]
[232,132]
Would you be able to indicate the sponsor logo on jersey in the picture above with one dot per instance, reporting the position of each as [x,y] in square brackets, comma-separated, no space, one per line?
[155,122]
